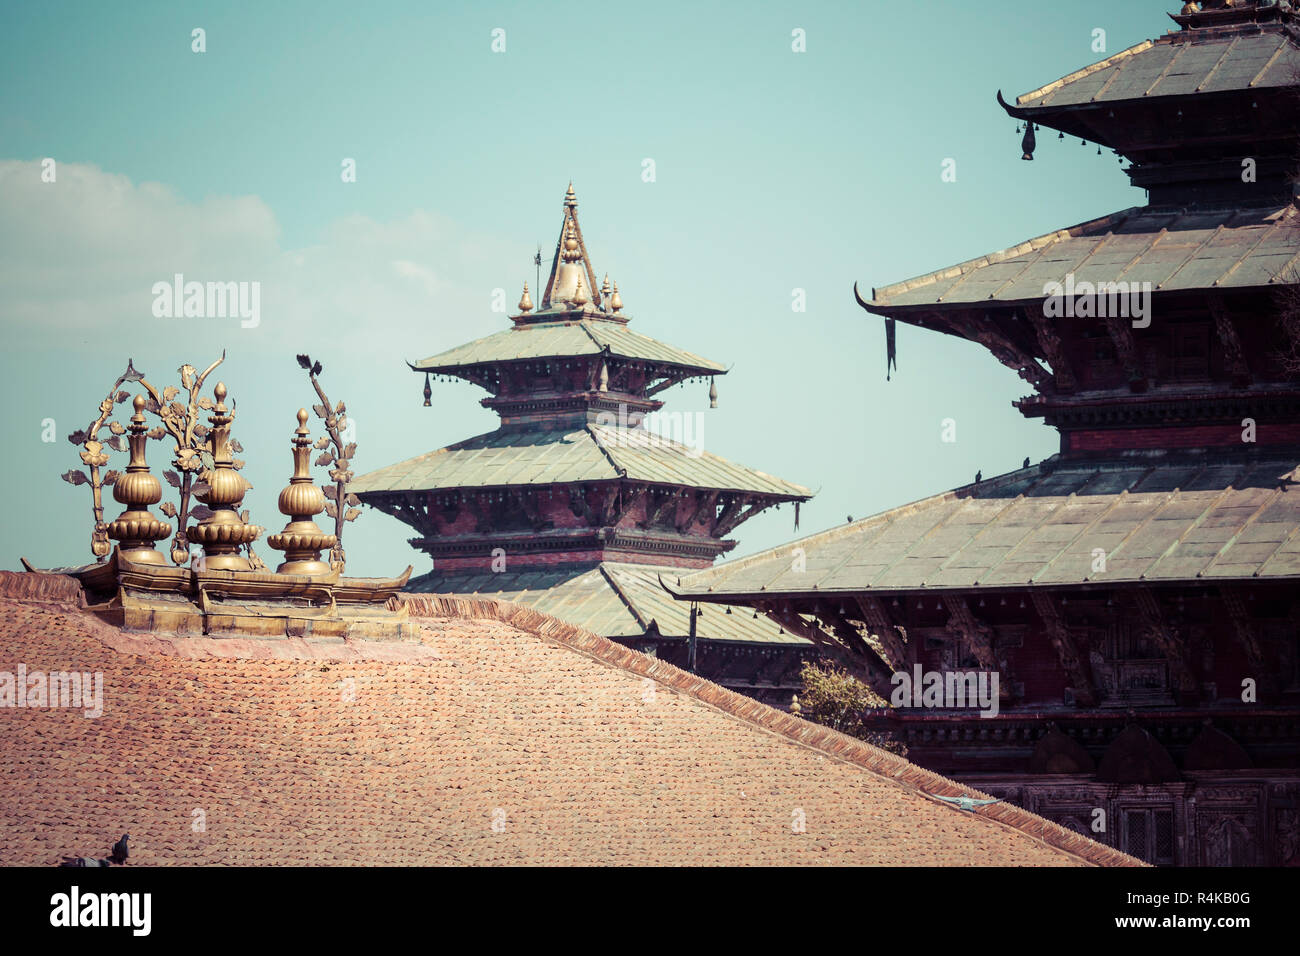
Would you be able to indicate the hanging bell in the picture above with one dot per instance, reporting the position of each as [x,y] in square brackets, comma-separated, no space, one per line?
[713,392]
[428,391]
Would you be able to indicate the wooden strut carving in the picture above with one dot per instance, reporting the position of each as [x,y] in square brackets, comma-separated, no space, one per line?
[1227,332]
[1002,348]
[892,639]
[1066,648]
[1166,638]
[1244,632]
[976,635]
[845,645]
[1121,335]
[1050,342]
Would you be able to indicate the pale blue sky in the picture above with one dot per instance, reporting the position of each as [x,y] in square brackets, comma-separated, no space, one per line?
[775,170]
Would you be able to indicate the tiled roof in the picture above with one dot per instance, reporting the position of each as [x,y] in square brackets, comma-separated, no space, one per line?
[594,453]
[505,737]
[560,339]
[1172,249]
[1178,64]
[1156,522]
[614,599]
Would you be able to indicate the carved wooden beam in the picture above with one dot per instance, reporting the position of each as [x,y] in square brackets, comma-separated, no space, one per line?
[580,506]
[668,382]
[731,518]
[1002,348]
[891,637]
[1066,649]
[1233,353]
[664,503]
[855,656]
[1050,342]
[704,503]
[1247,637]
[1166,637]
[1121,335]
[977,635]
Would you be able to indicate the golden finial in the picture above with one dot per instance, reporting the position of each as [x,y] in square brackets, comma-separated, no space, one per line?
[526,301]
[604,290]
[571,251]
[616,301]
[301,540]
[223,532]
[794,706]
[579,296]
[570,197]
[604,376]
[136,528]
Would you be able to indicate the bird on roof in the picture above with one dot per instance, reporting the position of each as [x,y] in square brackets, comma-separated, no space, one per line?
[116,856]
[1026,463]
[979,476]
[964,802]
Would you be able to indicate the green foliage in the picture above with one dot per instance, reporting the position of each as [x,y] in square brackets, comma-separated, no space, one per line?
[833,697]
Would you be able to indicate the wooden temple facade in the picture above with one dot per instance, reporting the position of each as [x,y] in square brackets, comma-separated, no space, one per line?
[573,506]
[1138,593]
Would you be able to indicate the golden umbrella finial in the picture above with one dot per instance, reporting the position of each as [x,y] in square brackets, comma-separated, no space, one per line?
[572,252]
[301,540]
[570,197]
[526,301]
[136,528]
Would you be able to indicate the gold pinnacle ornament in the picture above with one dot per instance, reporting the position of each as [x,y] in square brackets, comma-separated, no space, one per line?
[223,532]
[301,540]
[526,301]
[136,528]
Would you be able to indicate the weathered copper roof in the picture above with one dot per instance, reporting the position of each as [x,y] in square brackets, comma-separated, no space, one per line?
[593,453]
[1172,249]
[543,340]
[1174,520]
[502,737]
[1178,64]
[613,599]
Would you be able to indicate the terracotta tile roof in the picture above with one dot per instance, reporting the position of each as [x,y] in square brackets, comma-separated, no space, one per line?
[580,751]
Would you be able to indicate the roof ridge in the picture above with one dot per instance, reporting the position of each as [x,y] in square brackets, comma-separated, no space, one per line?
[804,733]
[1080,73]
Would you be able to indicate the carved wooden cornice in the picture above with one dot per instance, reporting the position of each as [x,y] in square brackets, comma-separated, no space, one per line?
[1050,342]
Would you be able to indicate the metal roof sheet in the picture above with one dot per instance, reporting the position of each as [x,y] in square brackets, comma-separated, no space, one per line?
[1177,64]
[1162,521]
[593,453]
[567,338]
[614,600]
[1173,250]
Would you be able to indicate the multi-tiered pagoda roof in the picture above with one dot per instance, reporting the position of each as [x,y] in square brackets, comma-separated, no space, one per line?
[572,505]
[1152,567]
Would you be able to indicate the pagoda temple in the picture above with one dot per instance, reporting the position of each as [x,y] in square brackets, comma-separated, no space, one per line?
[1138,593]
[573,506]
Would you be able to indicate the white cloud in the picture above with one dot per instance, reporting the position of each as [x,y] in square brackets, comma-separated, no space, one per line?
[81,256]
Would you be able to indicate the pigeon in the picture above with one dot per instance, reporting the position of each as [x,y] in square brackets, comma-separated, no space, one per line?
[979,476]
[1026,463]
[964,802]
[117,856]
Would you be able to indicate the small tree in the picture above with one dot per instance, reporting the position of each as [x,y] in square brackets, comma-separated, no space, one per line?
[833,697]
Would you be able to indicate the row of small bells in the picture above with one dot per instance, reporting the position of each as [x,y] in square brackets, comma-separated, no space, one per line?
[223,533]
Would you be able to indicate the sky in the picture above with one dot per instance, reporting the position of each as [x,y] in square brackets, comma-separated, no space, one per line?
[774,170]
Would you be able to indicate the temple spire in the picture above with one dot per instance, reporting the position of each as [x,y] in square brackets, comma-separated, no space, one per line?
[571,268]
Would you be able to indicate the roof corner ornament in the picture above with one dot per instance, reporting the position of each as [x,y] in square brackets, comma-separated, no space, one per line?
[1029,143]
[616,300]
[891,347]
[713,391]
[525,301]
[340,504]
[136,528]
[222,488]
